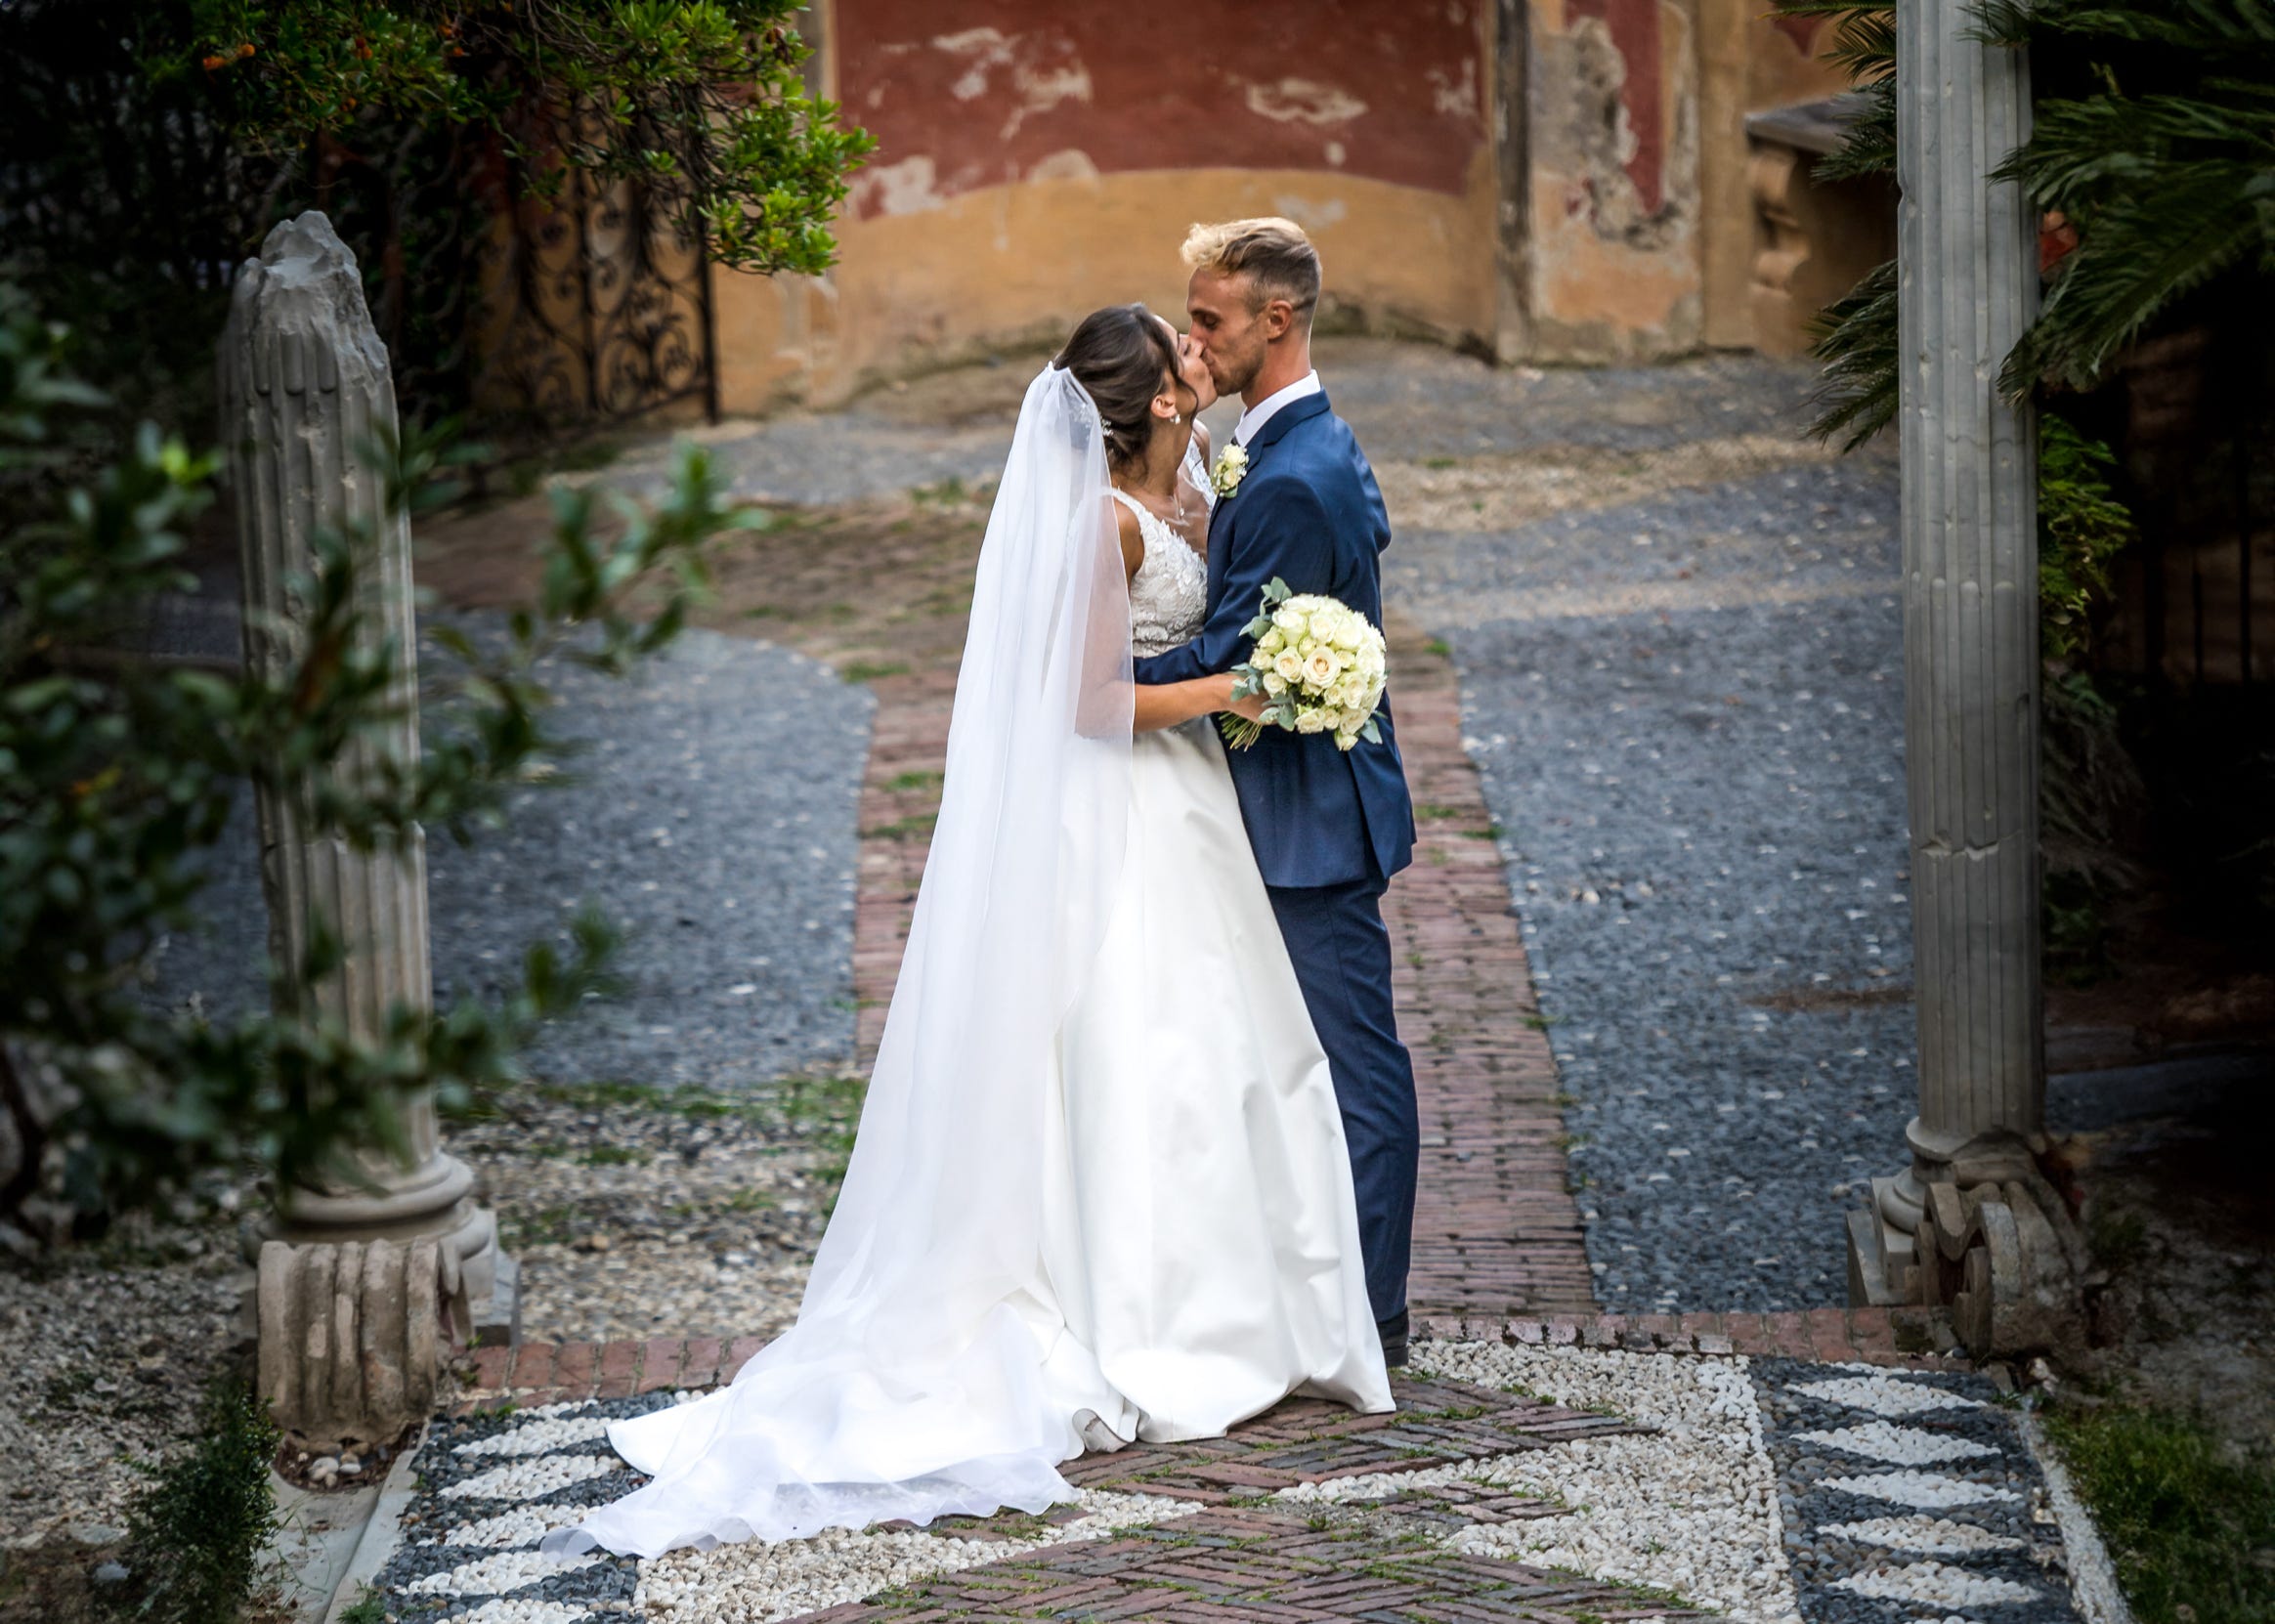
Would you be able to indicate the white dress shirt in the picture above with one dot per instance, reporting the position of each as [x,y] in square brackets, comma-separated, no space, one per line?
[1255,416]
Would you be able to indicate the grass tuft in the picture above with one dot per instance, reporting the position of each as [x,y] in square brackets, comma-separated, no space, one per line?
[2189,1525]
[199,1527]
[368,1607]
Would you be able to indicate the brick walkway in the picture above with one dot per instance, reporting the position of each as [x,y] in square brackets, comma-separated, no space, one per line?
[546,1373]
[1496,1233]
[1257,1563]
[1495,1230]
[899,799]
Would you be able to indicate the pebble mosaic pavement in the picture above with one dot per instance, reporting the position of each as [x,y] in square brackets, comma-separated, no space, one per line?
[1775,1491]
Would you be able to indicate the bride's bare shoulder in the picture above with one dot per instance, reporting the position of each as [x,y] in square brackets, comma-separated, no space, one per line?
[1132,539]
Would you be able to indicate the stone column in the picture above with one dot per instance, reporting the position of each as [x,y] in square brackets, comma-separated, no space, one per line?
[1969,267]
[305,392]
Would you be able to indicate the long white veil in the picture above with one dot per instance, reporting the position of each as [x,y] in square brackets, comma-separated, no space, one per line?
[910,1386]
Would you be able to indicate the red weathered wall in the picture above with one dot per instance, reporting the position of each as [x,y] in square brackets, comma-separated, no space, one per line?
[970,94]
[1040,157]
[1634,26]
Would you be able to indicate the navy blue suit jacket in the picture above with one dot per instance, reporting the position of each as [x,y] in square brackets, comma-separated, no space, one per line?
[1307,510]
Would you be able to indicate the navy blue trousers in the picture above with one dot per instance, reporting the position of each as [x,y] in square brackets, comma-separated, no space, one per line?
[1342,952]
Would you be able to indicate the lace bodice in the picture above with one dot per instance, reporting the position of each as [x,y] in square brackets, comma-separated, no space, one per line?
[1168,594]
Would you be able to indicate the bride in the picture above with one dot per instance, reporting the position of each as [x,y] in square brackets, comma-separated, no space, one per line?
[1099,1190]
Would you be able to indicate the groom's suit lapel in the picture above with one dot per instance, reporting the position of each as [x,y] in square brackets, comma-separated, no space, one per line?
[1263,440]
[1276,428]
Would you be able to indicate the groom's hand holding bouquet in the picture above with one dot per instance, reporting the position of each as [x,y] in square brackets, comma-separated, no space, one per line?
[1317,666]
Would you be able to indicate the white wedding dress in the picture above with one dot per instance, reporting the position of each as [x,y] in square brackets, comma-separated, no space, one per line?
[1100,1168]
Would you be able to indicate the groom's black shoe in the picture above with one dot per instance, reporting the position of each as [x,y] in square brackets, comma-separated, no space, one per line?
[1393,1331]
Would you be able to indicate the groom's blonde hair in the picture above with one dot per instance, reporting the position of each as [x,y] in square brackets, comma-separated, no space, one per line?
[1275,253]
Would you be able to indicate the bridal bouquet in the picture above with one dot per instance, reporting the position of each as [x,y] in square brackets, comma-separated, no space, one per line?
[1318,664]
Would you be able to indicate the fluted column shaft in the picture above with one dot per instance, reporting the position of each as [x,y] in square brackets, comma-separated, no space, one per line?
[1967,260]
[306,395]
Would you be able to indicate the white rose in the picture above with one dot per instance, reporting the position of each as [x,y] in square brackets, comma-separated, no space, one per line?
[1321,667]
[1274,684]
[1312,721]
[1290,620]
[1288,665]
[1270,643]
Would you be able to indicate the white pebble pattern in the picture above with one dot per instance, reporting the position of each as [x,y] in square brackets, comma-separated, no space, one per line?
[1898,1446]
[749,1582]
[1885,1396]
[1935,1585]
[527,1480]
[540,1437]
[1951,1546]
[507,1570]
[1934,1536]
[1927,1490]
[506,1610]
[523,1525]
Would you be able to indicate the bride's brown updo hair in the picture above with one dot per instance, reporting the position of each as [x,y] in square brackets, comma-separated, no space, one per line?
[1120,354]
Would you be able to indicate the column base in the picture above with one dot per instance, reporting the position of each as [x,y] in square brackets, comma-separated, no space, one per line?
[434,1200]
[2002,1258]
[1882,1260]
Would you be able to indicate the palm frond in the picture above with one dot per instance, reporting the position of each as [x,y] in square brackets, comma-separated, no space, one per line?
[2212,29]
[2086,144]
[1864,47]
[2143,251]
[1856,338]
[2155,135]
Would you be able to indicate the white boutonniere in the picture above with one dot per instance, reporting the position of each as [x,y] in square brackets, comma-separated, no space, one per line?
[1232,467]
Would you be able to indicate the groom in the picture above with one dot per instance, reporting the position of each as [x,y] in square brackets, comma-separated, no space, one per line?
[1329,827]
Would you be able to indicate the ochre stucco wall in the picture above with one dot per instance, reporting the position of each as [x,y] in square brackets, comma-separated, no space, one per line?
[1037,160]
[1610,256]
[1783,58]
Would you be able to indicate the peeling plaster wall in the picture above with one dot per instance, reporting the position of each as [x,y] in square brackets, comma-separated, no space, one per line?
[1557,180]
[1038,158]
[1751,59]
[1784,61]
[1609,268]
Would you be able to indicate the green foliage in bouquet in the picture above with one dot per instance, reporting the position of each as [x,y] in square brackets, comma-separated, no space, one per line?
[1298,694]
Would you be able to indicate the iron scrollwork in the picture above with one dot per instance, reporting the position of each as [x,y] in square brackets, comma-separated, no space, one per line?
[606,306]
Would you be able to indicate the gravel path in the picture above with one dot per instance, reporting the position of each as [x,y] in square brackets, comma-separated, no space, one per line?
[711,819]
[1688,712]
[107,1353]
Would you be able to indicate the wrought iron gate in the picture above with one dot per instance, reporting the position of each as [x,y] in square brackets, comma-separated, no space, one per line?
[603,311]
